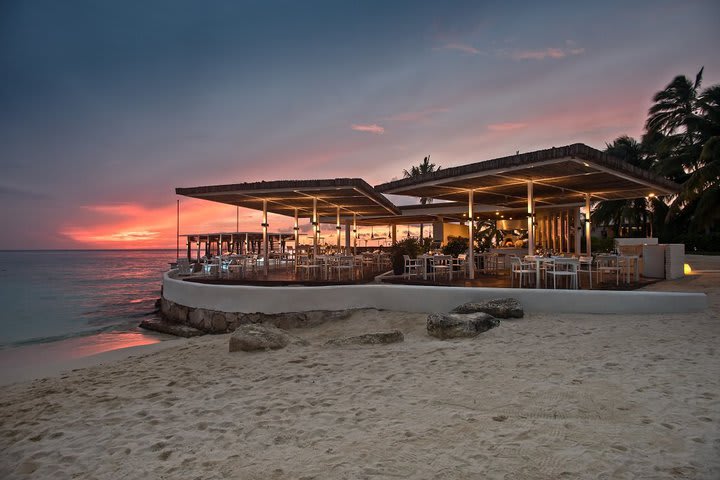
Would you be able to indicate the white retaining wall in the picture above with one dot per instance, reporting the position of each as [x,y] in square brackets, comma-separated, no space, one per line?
[414,298]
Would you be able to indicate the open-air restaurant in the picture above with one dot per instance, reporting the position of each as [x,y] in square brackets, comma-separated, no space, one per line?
[519,221]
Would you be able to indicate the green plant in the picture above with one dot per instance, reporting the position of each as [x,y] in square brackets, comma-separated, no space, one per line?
[407,246]
[455,246]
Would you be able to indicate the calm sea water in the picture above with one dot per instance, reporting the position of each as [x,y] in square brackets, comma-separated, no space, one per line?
[48,296]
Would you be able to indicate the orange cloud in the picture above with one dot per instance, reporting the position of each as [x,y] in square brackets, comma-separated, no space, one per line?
[370,128]
[505,127]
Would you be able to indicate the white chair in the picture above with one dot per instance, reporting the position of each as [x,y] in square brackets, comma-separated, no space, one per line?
[607,264]
[442,264]
[412,266]
[459,264]
[307,266]
[586,266]
[344,264]
[563,268]
[521,269]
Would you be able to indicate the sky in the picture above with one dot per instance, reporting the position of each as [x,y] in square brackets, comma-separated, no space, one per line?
[106,107]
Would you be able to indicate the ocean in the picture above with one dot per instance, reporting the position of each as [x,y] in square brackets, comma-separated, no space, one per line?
[90,301]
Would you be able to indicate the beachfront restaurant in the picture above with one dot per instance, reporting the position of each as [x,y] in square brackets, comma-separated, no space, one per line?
[541,200]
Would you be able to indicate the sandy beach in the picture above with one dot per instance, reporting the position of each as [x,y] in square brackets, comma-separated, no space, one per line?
[543,397]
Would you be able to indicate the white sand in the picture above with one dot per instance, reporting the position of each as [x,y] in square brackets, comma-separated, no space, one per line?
[547,396]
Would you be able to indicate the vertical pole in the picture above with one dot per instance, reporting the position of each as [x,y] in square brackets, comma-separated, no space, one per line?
[393,234]
[588,243]
[247,244]
[567,231]
[315,227]
[355,235]
[577,230]
[296,229]
[266,257]
[347,237]
[337,227]
[531,218]
[471,251]
[177,223]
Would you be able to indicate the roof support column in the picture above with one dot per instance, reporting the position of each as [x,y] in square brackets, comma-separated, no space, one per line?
[355,235]
[588,243]
[393,234]
[296,229]
[337,227]
[247,244]
[531,218]
[471,243]
[347,237]
[577,230]
[266,255]
[315,226]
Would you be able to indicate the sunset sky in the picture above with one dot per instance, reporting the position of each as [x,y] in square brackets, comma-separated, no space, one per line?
[107,106]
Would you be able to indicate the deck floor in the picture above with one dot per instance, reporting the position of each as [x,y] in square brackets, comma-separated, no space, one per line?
[286,277]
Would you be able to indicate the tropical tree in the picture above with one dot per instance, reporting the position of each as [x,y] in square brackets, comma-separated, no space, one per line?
[635,212]
[682,131]
[417,171]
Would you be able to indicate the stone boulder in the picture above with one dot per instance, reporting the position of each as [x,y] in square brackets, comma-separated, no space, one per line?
[497,307]
[252,337]
[379,338]
[177,329]
[453,325]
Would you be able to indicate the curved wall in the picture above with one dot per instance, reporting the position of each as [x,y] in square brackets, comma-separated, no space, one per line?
[413,298]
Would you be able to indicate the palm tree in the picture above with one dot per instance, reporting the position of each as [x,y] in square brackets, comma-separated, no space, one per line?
[683,131]
[417,171]
[635,211]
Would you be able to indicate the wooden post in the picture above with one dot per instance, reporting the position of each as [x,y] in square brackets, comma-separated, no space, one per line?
[471,251]
[316,224]
[531,218]
[177,238]
[337,228]
[296,229]
[355,235]
[588,242]
[266,256]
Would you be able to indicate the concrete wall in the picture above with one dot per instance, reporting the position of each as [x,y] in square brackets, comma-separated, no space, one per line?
[413,298]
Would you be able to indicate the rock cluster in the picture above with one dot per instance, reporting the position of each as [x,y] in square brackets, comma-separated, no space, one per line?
[497,307]
[252,337]
[471,319]
[158,325]
[213,321]
[379,338]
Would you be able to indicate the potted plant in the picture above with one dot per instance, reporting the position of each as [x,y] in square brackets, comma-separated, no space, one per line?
[408,246]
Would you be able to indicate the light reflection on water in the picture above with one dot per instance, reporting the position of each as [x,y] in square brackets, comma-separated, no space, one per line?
[53,295]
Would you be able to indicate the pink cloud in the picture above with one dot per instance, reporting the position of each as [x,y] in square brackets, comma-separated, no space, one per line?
[369,128]
[546,53]
[505,127]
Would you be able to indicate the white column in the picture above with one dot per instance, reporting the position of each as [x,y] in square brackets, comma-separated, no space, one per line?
[347,237]
[471,251]
[531,218]
[266,256]
[355,235]
[296,229]
[576,230]
[315,227]
[337,228]
[588,243]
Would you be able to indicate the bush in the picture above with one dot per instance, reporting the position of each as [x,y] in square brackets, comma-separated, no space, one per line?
[455,246]
[602,244]
[408,246]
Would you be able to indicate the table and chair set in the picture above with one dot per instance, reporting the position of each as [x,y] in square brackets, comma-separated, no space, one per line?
[566,272]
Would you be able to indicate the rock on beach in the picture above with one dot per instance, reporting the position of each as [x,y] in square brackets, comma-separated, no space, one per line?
[252,337]
[454,325]
[497,307]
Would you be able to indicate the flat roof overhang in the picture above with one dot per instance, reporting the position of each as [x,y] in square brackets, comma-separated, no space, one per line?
[285,197]
[559,175]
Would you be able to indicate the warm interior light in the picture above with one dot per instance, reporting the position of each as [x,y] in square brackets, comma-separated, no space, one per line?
[686,269]
[651,195]
[497,213]
[586,164]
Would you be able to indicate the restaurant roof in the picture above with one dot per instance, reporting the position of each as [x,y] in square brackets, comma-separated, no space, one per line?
[559,175]
[351,195]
